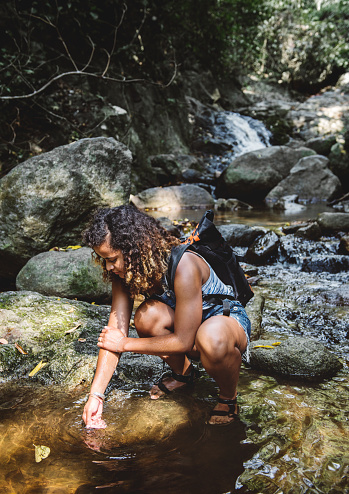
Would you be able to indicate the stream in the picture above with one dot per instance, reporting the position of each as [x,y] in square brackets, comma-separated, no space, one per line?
[292,436]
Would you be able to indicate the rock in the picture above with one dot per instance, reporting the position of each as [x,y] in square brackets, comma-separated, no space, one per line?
[329,264]
[263,248]
[254,311]
[168,225]
[311,231]
[288,204]
[62,333]
[46,201]
[339,163]
[333,222]
[69,274]
[320,115]
[173,197]
[344,244]
[321,145]
[301,358]
[222,204]
[172,168]
[240,235]
[310,179]
[251,176]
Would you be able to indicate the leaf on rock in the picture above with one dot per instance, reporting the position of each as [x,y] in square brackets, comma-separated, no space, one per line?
[74,328]
[36,369]
[20,349]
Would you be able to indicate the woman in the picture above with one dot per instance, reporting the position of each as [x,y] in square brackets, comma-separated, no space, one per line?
[134,251]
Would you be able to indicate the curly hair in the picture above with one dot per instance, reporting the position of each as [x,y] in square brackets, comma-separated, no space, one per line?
[144,243]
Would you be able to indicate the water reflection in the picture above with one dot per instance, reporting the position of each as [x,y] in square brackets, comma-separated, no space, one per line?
[193,458]
[257,216]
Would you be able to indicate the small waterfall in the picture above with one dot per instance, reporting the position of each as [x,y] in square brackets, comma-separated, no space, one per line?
[232,135]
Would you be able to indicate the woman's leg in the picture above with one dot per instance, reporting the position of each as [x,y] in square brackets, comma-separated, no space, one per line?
[154,318]
[221,341]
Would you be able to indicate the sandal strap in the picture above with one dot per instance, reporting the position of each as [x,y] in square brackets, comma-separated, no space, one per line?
[161,386]
[187,379]
[229,413]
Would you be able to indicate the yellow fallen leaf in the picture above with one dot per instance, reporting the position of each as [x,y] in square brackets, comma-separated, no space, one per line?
[71,310]
[263,346]
[74,247]
[277,343]
[74,328]
[36,369]
[41,452]
[3,341]
[20,349]
[82,340]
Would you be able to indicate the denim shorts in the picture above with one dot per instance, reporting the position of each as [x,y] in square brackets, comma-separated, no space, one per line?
[237,311]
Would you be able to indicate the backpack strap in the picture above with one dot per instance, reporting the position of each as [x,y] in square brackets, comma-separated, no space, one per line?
[176,255]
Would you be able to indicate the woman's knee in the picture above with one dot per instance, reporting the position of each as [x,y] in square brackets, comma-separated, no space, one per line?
[152,318]
[216,341]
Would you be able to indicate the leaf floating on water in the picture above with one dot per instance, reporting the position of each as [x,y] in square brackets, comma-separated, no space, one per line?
[74,328]
[41,452]
[71,310]
[3,341]
[36,369]
[82,340]
[20,349]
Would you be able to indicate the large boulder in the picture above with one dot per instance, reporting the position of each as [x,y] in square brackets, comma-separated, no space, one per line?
[70,274]
[63,335]
[240,235]
[173,197]
[310,179]
[251,176]
[46,200]
[301,358]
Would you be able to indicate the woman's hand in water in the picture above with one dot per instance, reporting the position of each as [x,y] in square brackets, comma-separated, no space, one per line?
[92,415]
[110,339]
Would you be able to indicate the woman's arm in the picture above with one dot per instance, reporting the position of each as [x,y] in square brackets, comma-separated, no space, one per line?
[107,362]
[188,315]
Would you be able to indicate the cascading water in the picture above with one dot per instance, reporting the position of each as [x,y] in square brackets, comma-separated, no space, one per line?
[229,135]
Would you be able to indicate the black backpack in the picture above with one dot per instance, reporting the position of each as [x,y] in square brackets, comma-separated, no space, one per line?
[208,242]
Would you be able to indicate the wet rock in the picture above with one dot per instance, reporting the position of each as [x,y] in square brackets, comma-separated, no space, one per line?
[68,274]
[46,201]
[254,311]
[288,203]
[344,244]
[251,176]
[230,205]
[240,235]
[310,179]
[301,358]
[62,333]
[310,231]
[330,264]
[262,250]
[333,222]
[173,197]
[294,249]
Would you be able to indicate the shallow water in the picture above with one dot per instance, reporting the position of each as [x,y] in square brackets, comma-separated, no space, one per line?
[192,458]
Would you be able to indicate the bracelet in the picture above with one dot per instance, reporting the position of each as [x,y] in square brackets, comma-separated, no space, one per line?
[117,343]
[97,395]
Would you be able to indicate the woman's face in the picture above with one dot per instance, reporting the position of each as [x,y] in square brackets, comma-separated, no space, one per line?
[114,259]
